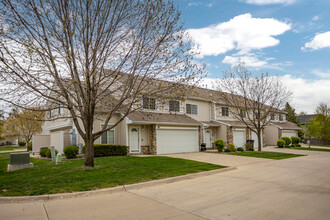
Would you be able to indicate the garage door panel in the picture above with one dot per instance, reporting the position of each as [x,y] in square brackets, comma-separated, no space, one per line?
[177,141]
[239,138]
[289,134]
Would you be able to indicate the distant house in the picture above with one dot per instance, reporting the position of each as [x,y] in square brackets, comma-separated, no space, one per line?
[305,118]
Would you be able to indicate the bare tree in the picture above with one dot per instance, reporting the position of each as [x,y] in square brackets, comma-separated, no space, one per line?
[252,98]
[92,57]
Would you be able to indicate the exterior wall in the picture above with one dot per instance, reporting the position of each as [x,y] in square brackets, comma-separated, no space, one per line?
[221,133]
[218,113]
[56,140]
[97,127]
[39,141]
[271,135]
[123,132]
[51,125]
[203,110]
[145,137]
[67,139]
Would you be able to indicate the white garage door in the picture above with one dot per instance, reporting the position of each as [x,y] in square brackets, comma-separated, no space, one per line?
[239,138]
[289,134]
[255,138]
[177,140]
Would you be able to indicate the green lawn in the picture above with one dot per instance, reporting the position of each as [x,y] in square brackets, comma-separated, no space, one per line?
[70,176]
[320,145]
[7,148]
[267,155]
[311,149]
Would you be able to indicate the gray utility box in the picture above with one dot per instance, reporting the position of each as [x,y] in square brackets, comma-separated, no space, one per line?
[19,161]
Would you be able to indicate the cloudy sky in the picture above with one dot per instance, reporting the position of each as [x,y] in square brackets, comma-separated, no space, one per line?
[287,38]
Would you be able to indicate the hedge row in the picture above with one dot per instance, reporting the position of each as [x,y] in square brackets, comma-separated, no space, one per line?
[104,150]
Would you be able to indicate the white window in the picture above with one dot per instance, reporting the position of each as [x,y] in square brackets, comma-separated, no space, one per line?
[149,103]
[174,106]
[108,137]
[191,109]
[243,113]
[272,116]
[225,111]
[60,110]
[280,117]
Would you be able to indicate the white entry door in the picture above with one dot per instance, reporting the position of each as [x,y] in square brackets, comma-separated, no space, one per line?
[134,140]
[255,138]
[208,138]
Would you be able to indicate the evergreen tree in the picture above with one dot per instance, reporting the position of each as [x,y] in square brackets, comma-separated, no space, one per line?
[291,114]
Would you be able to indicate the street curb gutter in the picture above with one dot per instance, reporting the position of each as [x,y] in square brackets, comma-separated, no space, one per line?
[113,189]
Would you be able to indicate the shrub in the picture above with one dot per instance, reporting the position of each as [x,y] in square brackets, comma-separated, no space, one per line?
[21,143]
[240,149]
[232,147]
[29,146]
[249,147]
[104,150]
[295,140]
[219,144]
[287,140]
[43,152]
[227,150]
[46,152]
[280,143]
[298,145]
[287,146]
[70,151]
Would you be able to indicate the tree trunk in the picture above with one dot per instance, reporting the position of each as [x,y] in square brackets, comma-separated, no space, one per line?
[89,151]
[259,140]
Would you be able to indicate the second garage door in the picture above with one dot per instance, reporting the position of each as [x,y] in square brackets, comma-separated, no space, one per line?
[239,137]
[177,140]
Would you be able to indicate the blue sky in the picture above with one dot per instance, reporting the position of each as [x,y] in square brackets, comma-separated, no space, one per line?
[287,38]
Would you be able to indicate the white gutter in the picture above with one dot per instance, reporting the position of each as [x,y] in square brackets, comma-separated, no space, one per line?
[59,126]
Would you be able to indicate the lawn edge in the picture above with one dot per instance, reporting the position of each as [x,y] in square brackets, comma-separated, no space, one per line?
[12,199]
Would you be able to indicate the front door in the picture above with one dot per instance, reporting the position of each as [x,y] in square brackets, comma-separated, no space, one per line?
[208,140]
[135,139]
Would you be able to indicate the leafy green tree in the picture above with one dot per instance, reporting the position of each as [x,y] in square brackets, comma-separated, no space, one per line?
[319,127]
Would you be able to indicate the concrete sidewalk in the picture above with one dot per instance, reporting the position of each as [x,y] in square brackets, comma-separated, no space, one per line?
[295,188]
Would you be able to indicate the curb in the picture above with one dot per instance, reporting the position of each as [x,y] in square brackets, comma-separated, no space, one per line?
[112,189]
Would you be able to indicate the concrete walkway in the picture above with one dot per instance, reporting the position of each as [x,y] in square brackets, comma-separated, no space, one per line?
[296,188]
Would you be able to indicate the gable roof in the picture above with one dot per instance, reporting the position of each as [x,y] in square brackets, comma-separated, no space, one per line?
[286,125]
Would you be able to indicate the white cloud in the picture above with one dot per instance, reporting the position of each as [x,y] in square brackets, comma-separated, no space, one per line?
[307,94]
[316,18]
[322,74]
[251,61]
[318,42]
[243,33]
[190,4]
[267,2]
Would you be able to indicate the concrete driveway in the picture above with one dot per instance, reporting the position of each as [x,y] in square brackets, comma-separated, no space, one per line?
[296,188]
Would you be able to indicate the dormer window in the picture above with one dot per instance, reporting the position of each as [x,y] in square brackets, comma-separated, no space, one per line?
[272,116]
[149,103]
[174,106]
[191,109]
[280,117]
[242,113]
[225,111]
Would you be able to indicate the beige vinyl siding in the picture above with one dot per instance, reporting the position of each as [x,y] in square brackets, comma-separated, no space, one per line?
[39,141]
[203,110]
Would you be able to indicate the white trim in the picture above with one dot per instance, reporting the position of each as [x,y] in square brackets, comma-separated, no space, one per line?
[175,128]
[222,123]
[59,126]
[164,123]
